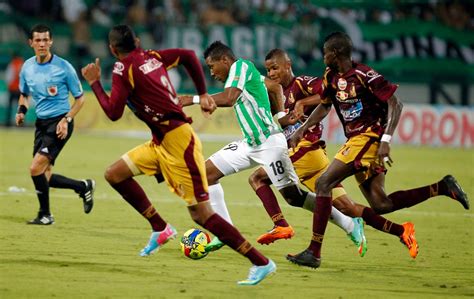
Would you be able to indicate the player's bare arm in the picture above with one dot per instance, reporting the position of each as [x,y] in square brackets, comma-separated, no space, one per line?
[227,98]
[316,116]
[208,106]
[395,108]
[20,115]
[312,100]
[275,93]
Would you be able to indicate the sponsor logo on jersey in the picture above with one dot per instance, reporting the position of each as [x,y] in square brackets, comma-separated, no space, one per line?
[52,90]
[150,65]
[342,83]
[118,68]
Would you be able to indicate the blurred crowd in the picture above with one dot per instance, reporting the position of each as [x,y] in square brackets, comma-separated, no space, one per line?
[302,17]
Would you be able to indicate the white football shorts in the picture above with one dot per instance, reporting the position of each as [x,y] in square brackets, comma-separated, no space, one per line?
[272,155]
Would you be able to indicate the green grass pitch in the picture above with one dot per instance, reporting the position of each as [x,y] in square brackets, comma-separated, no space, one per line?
[96,255]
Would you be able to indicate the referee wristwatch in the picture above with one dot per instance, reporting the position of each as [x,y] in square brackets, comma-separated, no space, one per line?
[68,119]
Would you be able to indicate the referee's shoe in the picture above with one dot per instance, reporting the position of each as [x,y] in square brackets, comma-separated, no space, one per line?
[87,195]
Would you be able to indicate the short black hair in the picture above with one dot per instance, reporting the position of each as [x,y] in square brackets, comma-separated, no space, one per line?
[341,42]
[122,38]
[217,49]
[275,53]
[40,28]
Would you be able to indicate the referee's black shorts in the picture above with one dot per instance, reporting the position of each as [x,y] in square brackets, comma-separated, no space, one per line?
[47,142]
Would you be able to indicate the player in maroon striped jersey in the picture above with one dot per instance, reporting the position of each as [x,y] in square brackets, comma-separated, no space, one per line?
[140,80]
[369,111]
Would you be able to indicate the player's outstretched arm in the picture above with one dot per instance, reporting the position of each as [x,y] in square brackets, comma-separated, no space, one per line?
[316,116]
[395,108]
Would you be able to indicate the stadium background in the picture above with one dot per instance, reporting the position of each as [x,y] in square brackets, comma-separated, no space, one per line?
[425,46]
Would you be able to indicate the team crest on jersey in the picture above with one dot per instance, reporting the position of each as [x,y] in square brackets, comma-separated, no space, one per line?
[118,68]
[352,91]
[342,83]
[52,90]
[342,95]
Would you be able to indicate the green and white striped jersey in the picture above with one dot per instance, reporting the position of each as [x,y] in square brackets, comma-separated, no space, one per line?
[252,107]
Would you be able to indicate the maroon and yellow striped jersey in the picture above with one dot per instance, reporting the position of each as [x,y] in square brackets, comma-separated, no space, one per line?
[360,98]
[141,82]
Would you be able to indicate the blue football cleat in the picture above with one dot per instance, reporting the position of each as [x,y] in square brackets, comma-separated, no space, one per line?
[258,273]
[158,239]
[358,237]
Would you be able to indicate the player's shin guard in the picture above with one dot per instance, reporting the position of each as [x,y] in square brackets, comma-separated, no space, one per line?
[320,220]
[271,205]
[136,197]
[232,238]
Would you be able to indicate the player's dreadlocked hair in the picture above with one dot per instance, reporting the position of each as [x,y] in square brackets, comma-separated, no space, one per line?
[40,28]
[277,53]
[122,38]
[341,42]
[217,49]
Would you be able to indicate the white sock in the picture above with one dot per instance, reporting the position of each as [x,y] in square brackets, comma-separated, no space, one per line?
[216,196]
[337,218]
[341,220]
[310,202]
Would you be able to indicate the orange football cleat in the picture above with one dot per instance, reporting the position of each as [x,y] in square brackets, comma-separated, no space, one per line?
[408,238]
[278,232]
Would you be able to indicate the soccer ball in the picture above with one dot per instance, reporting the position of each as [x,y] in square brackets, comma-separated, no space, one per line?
[193,243]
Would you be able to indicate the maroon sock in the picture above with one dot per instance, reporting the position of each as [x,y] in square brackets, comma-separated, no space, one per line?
[232,238]
[408,198]
[380,223]
[136,197]
[321,213]
[270,203]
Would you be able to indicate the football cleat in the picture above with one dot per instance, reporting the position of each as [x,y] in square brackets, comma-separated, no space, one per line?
[455,191]
[88,195]
[357,236]
[158,239]
[42,220]
[305,258]
[258,273]
[214,245]
[408,238]
[276,233]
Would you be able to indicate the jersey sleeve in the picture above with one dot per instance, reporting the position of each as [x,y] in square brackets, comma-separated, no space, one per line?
[237,75]
[25,91]
[379,86]
[325,89]
[310,85]
[73,82]
[174,57]
[114,105]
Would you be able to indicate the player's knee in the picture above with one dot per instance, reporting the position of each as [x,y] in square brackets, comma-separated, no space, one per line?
[253,181]
[324,184]
[110,176]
